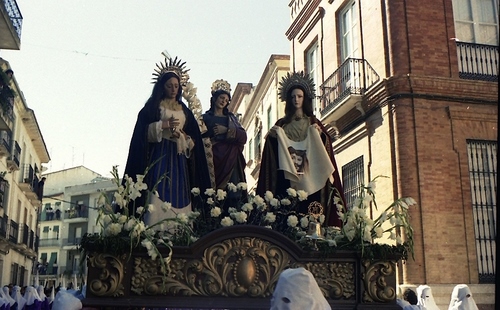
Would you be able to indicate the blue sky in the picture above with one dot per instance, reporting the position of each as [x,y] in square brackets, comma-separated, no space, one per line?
[85,65]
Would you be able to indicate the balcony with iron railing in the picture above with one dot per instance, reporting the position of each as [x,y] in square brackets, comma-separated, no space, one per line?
[29,181]
[15,155]
[477,61]
[11,25]
[13,229]
[343,90]
[78,213]
[51,242]
[5,143]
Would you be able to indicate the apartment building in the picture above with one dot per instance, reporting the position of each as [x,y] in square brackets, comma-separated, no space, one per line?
[22,154]
[68,213]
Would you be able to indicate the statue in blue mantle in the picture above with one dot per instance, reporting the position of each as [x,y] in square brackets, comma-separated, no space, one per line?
[167,141]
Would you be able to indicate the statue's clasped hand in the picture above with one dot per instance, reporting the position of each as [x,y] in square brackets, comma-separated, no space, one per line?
[219,129]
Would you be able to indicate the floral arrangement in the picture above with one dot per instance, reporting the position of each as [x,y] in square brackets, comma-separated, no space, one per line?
[123,227]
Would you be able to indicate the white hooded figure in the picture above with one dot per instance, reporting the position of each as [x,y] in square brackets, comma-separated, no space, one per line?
[16,295]
[45,300]
[461,299]
[4,292]
[425,298]
[66,301]
[32,299]
[298,290]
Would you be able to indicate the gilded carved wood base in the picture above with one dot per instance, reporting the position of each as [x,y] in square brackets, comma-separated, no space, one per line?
[236,267]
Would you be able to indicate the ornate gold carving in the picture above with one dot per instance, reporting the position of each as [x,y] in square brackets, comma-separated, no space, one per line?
[336,280]
[111,274]
[234,267]
[374,280]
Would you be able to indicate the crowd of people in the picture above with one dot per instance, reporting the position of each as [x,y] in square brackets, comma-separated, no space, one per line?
[422,299]
[180,152]
[14,297]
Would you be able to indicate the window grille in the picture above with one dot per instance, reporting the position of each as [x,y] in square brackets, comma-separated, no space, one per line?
[482,157]
[352,179]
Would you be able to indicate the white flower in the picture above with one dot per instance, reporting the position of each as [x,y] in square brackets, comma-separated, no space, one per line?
[350,233]
[285,202]
[304,222]
[140,210]
[383,217]
[379,231]
[268,196]
[371,186]
[215,212]
[247,207]
[240,217]
[147,244]
[242,186]
[291,192]
[130,224]
[209,192]
[259,201]
[270,217]
[107,219]
[210,201]
[221,194]
[274,202]
[292,221]
[113,229]
[193,214]
[195,191]
[122,219]
[165,206]
[302,195]
[366,200]
[399,240]
[231,210]
[410,201]
[119,199]
[193,238]
[231,187]
[392,235]
[183,218]
[151,249]
[134,193]
[151,207]
[140,185]
[226,221]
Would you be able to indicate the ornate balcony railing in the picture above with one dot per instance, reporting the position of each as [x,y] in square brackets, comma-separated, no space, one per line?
[15,15]
[477,61]
[354,76]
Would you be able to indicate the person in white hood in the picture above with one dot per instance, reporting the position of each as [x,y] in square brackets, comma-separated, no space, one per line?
[16,295]
[298,290]
[461,299]
[66,301]
[425,298]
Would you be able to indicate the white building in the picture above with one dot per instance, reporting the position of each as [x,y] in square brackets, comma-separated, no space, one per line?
[73,196]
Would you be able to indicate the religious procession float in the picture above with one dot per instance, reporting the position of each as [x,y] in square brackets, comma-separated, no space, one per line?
[179,232]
